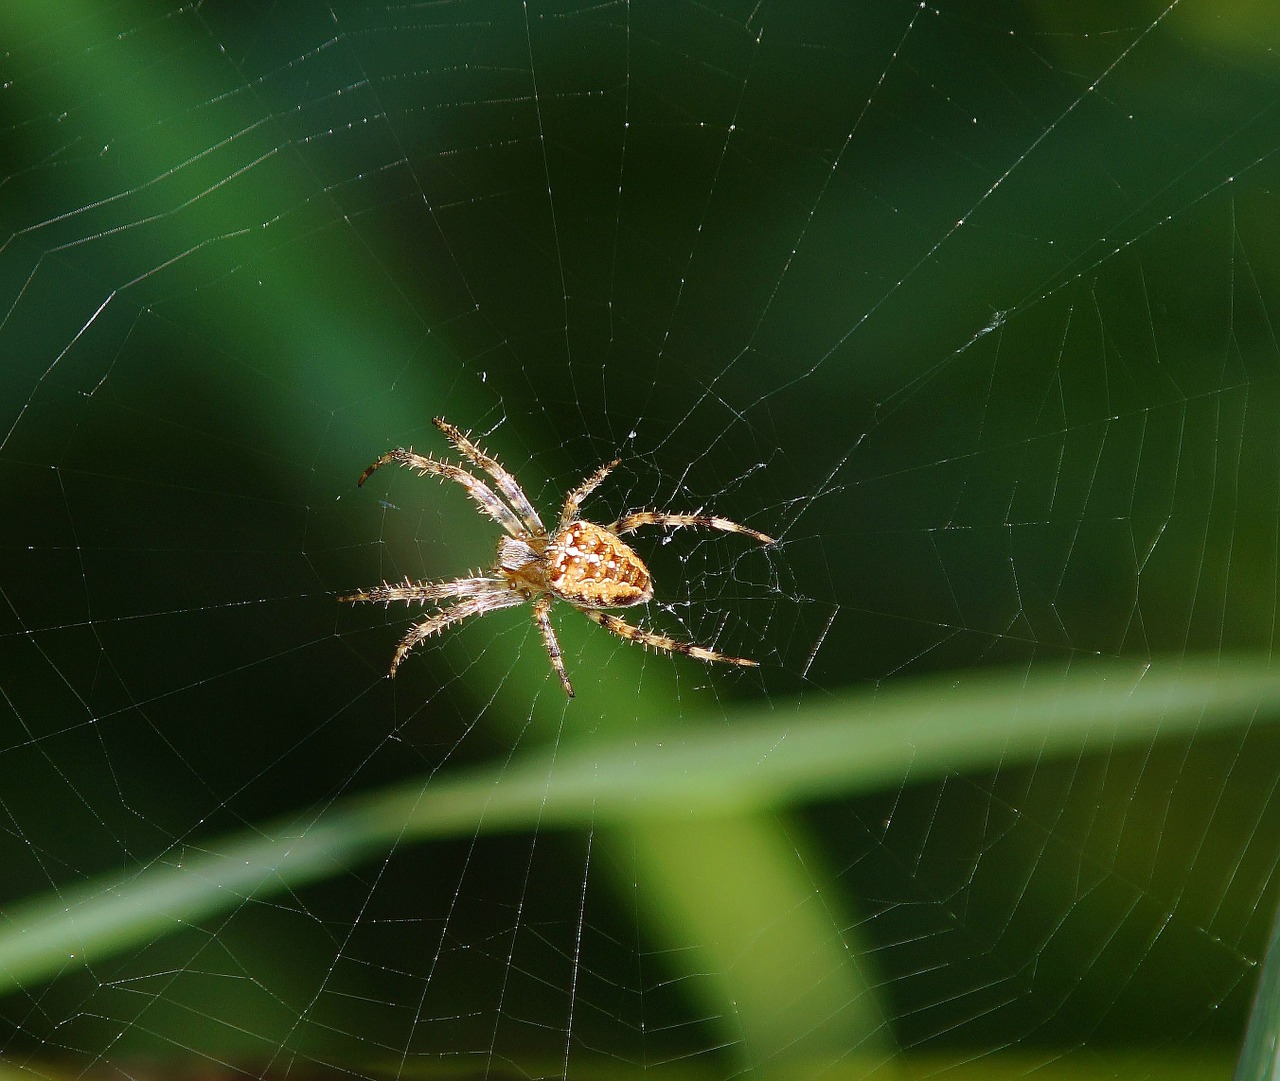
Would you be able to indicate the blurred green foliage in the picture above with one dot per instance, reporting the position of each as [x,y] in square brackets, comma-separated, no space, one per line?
[988,291]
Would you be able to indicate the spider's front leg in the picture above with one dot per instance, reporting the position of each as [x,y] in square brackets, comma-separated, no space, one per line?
[475,596]
[464,609]
[476,488]
[505,481]
[421,592]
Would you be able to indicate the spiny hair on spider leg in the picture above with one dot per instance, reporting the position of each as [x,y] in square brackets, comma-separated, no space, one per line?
[584,564]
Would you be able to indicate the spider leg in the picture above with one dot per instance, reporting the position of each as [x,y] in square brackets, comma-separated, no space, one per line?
[625,630]
[505,481]
[574,499]
[635,521]
[476,488]
[470,606]
[422,592]
[540,609]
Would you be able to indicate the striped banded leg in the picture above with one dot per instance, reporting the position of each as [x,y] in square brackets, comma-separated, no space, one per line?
[464,609]
[505,481]
[623,629]
[632,522]
[574,499]
[476,488]
[541,608]
[421,592]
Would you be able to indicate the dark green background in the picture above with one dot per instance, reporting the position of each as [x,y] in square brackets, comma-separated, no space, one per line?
[988,289]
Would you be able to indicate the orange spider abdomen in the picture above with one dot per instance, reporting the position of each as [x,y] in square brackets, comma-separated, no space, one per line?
[591,567]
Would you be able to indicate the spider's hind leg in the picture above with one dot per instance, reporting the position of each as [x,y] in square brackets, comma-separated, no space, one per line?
[632,522]
[630,633]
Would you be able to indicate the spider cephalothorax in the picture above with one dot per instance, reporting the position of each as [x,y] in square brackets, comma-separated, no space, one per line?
[589,566]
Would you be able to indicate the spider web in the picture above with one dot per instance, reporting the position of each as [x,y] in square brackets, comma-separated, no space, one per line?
[971,306]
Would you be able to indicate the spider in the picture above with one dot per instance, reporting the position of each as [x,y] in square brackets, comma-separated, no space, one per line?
[587,565]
